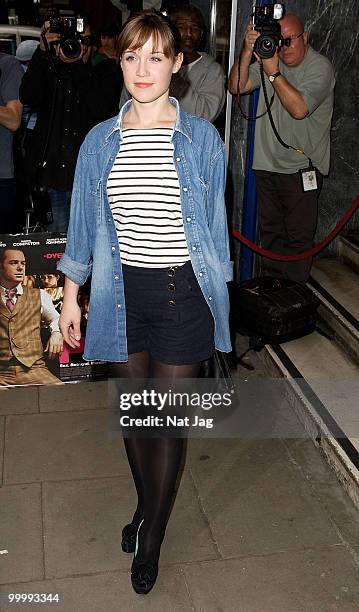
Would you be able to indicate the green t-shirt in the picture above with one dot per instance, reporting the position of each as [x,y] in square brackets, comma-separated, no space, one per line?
[314,79]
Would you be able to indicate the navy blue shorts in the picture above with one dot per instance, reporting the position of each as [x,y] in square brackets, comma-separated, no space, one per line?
[167,314]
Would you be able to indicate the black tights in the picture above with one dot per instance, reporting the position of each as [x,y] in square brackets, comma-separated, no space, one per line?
[154,462]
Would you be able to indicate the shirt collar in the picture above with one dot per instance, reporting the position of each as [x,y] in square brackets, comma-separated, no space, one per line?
[19,290]
[182,123]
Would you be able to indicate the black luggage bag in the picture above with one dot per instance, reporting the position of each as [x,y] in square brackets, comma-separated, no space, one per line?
[275,310]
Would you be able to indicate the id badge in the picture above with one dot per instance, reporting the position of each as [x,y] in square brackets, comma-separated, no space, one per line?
[309,179]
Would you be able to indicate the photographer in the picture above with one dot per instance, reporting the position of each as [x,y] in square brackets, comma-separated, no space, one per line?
[288,181]
[70,96]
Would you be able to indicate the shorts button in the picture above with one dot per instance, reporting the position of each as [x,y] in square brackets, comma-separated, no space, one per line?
[171,303]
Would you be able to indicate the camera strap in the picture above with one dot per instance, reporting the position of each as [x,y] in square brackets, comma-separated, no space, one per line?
[268,106]
[308,175]
[244,115]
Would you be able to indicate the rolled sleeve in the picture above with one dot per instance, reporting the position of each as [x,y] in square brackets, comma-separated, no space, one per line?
[75,271]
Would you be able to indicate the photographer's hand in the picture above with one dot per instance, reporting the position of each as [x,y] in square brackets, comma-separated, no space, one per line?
[51,37]
[271,65]
[240,68]
[290,98]
[250,38]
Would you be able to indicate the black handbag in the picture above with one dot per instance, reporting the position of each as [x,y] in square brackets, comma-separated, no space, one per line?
[217,369]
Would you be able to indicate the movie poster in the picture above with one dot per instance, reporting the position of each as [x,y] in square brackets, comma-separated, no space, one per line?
[31,296]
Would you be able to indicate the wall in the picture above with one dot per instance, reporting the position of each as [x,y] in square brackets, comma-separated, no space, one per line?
[333,27]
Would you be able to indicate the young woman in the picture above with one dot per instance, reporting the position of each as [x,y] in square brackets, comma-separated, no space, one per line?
[148,222]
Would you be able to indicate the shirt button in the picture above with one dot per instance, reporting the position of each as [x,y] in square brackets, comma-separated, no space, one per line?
[119,306]
[178,159]
[113,249]
[117,277]
[200,274]
[185,189]
[209,298]
[194,248]
[188,219]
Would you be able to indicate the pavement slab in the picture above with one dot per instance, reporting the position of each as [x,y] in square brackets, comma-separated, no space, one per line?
[21,533]
[2,433]
[322,580]
[87,395]
[108,592]
[19,400]
[61,446]
[260,504]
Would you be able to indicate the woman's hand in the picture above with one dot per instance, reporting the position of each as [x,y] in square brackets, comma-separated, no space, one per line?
[69,323]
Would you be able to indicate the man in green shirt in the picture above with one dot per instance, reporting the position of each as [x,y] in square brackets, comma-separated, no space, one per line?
[302,82]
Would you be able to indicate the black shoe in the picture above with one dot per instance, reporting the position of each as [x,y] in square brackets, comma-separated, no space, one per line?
[143,574]
[128,543]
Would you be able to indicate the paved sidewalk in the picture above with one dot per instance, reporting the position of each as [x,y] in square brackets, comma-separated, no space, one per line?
[258,525]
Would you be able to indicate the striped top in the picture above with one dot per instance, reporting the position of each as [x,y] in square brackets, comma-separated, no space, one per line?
[144,195]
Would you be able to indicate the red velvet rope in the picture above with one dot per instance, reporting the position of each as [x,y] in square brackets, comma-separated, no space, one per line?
[313,251]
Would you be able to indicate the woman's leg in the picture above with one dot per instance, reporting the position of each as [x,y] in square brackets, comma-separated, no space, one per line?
[136,449]
[160,471]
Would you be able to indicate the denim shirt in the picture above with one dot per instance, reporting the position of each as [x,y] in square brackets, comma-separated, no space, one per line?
[92,244]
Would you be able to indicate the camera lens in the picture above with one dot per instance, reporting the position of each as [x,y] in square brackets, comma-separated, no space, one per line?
[265,47]
[71,48]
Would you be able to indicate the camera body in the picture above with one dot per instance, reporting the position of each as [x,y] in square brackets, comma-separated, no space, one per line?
[70,30]
[265,20]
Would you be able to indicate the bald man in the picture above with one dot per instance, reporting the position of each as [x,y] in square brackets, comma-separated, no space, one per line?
[288,182]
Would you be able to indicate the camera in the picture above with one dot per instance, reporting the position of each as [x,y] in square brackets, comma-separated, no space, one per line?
[265,20]
[71,31]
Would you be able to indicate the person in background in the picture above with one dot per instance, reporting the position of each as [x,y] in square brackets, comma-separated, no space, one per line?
[301,81]
[10,120]
[24,53]
[56,293]
[70,96]
[109,37]
[199,84]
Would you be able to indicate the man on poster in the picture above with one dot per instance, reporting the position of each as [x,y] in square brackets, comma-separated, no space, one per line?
[22,310]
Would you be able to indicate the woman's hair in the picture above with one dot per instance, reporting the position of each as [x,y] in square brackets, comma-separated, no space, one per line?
[141,26]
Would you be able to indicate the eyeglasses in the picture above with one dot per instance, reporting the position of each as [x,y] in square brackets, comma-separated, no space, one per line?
[288,41]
